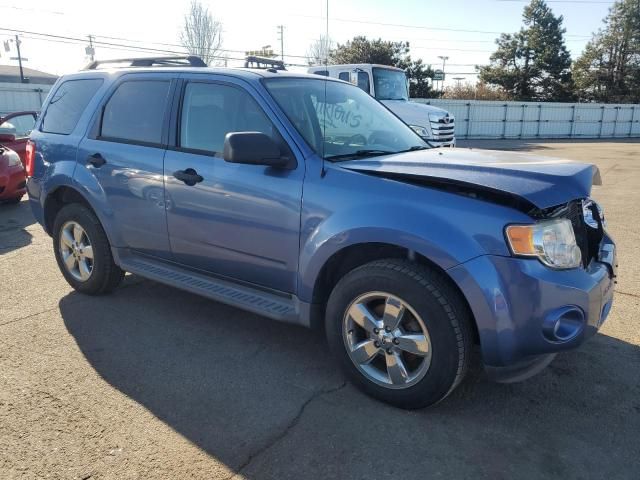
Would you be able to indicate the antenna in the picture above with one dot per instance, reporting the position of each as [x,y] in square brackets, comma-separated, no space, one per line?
[323,172]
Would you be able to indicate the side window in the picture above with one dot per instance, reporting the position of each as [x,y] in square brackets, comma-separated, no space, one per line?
[135,112]
[210,111]
[20,125]
[324,73]
[363,82]
[67,104]
[344,76]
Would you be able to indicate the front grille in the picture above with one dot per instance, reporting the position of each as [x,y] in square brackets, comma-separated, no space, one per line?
[587,238]
[443,131]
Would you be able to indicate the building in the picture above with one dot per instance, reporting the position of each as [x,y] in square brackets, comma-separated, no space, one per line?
[11,74]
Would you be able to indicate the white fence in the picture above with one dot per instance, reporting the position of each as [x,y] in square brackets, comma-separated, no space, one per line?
[494,119]
[15,97]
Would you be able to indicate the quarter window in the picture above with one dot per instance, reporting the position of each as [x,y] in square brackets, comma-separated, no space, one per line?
[67,104]
[210,111]
[135,112]
[344,76]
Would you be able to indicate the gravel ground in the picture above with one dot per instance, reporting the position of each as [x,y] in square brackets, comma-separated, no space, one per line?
[155,383]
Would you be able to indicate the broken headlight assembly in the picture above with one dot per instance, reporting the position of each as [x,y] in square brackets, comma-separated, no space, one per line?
[553,242]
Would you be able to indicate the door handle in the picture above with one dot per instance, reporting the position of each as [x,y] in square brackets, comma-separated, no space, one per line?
[96,160]
[189,176]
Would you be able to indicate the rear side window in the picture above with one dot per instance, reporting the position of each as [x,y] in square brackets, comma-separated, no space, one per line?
[344,76]
[135,112]
[67,104]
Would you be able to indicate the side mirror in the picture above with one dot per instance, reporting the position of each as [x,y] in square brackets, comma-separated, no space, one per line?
[7,137]
[253,148]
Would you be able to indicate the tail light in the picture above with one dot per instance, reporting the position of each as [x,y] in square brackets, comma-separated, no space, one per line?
[29,159]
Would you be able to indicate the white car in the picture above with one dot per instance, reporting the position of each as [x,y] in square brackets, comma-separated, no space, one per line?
[390,86]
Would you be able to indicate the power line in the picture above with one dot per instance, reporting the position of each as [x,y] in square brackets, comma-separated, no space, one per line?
[422,27]
[116,46]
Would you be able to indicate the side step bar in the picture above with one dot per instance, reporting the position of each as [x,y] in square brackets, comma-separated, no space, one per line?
[254,300]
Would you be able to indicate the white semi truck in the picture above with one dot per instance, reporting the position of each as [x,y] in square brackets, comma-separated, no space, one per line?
[389,85]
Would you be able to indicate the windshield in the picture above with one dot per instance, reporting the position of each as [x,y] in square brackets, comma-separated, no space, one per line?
[339,120]
[390,84]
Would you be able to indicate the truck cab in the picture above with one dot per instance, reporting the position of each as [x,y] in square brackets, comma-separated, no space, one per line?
[390,86]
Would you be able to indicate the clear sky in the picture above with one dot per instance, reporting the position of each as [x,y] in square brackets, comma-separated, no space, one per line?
[463,30]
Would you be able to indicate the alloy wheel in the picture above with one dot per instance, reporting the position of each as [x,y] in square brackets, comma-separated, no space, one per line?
[387,340]
[76,251]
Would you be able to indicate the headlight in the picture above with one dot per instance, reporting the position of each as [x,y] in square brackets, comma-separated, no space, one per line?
[14,159]
[551,241]
[423,132]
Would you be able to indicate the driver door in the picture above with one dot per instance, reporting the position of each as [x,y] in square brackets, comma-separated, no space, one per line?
[239,221]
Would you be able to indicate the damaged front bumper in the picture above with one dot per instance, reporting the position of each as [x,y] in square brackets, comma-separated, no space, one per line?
[526,312]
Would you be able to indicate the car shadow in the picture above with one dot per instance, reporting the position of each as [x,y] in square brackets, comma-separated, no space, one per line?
[14,220]
[236,385]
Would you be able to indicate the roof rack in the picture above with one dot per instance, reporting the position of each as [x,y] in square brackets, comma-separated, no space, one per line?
[263,63]
[186,61]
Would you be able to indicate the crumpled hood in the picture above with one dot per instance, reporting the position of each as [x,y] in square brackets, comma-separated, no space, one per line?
[542,181]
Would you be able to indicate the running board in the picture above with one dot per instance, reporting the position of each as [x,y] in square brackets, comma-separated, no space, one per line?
[254,300]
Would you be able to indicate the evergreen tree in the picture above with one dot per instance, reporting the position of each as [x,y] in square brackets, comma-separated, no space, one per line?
[609,68]
[534,63]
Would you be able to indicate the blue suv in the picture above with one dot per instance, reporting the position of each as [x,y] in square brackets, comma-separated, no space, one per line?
[303,199]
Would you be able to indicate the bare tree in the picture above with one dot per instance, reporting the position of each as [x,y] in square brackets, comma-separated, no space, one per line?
[201,34]
[320,50]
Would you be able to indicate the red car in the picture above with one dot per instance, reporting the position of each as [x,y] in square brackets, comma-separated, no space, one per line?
[15,129]
[13,181]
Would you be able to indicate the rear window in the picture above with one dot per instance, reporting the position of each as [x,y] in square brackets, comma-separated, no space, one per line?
[135,112]
[67,104]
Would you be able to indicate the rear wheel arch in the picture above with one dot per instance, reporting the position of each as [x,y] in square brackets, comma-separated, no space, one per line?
[57,199]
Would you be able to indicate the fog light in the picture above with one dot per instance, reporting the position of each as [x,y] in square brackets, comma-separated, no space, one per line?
[564,324]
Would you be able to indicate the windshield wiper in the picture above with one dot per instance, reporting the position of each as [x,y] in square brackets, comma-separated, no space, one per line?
[359,154]
[415,148]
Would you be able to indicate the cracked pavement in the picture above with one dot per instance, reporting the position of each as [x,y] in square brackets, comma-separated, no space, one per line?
[155,383]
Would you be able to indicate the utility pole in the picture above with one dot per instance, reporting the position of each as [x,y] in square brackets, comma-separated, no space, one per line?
[444,61]
[22,80]
[281,38]
[90,50]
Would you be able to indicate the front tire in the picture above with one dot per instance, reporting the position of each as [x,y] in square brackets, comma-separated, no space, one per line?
[400,332]
[83,252]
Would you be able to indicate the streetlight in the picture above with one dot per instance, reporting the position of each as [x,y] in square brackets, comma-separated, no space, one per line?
[444,61]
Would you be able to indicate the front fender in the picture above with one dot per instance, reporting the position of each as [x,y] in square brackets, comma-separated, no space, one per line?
[445,242]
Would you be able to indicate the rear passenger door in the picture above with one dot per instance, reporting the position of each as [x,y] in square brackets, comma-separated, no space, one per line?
[240,221]
[125,151]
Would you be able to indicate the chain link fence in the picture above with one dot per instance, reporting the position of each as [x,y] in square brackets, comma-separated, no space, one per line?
[477,119]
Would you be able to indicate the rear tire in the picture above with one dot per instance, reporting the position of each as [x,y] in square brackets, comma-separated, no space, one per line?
[415,345]
[83,251]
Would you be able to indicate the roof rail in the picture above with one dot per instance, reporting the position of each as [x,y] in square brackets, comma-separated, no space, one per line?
[186,61]
[263,63]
